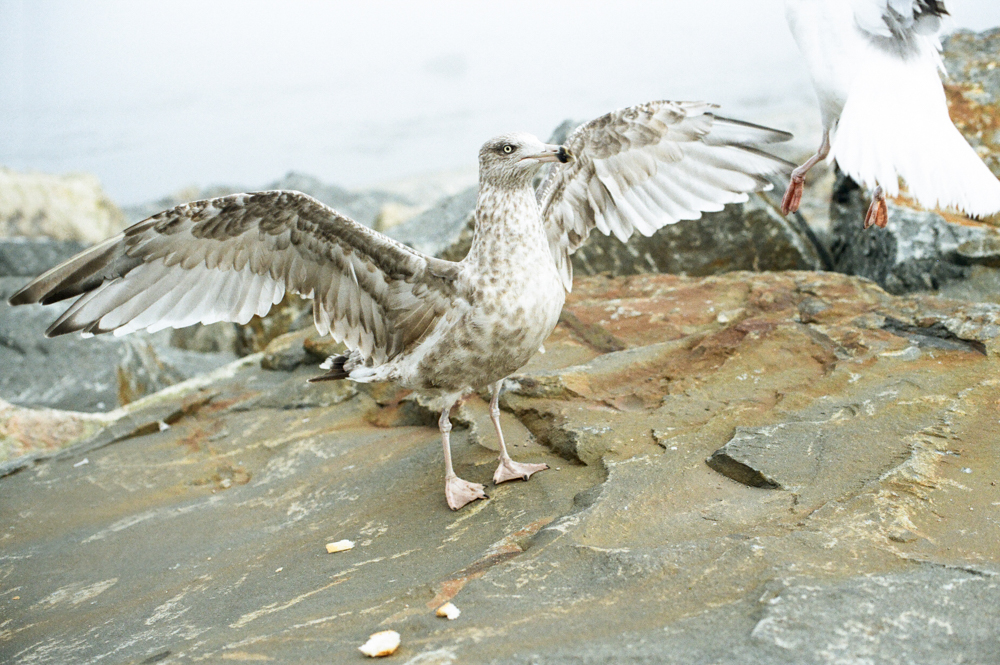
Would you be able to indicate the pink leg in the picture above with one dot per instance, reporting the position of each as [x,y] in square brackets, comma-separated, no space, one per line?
[508,469]
[878,212]
[793,195]
[457,492]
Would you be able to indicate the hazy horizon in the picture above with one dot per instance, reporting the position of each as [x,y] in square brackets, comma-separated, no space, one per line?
[155,97]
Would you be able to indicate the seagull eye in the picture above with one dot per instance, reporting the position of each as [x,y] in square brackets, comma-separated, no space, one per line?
[507,149]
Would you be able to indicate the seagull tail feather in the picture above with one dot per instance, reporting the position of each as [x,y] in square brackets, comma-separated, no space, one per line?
[336,369]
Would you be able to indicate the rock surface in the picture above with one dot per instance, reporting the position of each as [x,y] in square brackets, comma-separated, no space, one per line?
[194,526]
[973,89]
[750,236]
[70,207]
[361,206]
[918,250]
[70,372]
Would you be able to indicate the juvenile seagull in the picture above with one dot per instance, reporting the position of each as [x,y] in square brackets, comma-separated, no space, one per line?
[874,64]
[430,325]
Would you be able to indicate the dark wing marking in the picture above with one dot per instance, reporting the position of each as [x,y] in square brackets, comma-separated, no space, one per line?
[643,167]
[229,258]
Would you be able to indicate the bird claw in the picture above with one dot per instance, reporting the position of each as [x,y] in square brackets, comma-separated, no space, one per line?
[511,470]
[793,196]
[878,213]
[460,492]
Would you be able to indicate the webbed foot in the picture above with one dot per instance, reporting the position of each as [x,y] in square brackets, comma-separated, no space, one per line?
[460,492]
[511,470]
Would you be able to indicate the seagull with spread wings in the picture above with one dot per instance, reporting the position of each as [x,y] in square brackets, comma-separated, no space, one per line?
[431,325]
[875,64]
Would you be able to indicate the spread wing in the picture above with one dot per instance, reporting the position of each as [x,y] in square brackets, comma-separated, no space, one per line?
[643,167]
[228,258]
[898,25]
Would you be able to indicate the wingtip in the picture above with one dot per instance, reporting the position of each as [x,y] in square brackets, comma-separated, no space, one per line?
[757,133]
[24,296]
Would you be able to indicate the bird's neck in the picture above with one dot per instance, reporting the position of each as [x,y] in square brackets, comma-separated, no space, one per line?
[508,221]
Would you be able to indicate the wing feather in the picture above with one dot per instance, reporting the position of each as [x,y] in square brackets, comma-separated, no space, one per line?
[233,257]
[643,167]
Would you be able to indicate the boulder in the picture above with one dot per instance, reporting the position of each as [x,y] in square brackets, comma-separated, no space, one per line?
[22,256]
[918,250]
[70,372]
[748,236]
[362,206]
[64,207]
[873,415]
[973,90]
[444,229]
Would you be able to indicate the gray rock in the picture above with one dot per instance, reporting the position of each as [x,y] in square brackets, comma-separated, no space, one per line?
[192,527]
[444,229]
[29,257]
[921,250]
[77,374]
[361,206]
[917,250]
[750,236]
[929,615]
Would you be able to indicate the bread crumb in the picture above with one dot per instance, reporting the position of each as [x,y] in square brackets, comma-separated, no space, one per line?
[380,644]
[339,546]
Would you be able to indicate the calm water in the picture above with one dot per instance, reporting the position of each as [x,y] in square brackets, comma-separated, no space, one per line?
[152,97]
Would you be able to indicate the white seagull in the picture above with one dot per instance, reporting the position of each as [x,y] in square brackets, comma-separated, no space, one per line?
[875,64]
[430,325]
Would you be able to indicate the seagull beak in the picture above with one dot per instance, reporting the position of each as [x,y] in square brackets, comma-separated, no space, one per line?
[550,153]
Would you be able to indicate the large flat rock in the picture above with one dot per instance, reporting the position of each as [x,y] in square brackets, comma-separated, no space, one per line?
[193,529]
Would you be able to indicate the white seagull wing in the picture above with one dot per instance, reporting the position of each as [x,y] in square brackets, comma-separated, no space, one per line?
[229,258]
[643,167]
[895,121]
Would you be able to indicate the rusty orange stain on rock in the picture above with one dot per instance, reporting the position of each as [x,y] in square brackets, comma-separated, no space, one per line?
[503,550]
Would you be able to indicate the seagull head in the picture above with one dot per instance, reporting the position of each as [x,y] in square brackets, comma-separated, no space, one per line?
[512,160]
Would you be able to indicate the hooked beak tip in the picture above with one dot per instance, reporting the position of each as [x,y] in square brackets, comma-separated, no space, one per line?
[552,154]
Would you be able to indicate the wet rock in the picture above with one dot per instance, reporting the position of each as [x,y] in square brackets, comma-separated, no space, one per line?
[628,548]
[64,207]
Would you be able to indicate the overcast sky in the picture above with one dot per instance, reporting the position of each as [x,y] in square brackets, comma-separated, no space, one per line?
[152,97]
